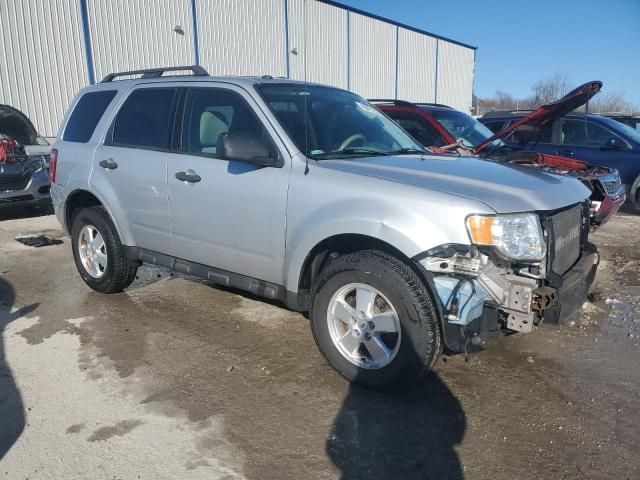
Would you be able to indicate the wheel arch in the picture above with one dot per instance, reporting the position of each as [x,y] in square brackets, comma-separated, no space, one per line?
[327,249]
[81,198]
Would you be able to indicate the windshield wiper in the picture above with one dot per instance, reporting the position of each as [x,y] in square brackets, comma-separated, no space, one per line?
[406,151]
[352,151]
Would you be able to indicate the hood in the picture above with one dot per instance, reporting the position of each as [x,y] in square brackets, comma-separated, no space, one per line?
[17,125]
[504,187]
[548,113]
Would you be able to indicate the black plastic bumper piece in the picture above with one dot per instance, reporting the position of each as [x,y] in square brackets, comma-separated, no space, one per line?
[574,289]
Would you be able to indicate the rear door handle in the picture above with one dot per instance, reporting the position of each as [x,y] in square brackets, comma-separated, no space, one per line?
[188,176]
[566,152]
[109,164]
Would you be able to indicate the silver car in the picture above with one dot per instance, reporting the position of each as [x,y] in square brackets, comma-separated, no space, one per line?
[307,194]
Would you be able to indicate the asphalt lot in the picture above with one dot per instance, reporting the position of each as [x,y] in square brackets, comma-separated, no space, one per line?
[177,379]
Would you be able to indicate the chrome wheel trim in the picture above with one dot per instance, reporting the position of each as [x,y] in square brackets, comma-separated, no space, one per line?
[364,326]
[92,251]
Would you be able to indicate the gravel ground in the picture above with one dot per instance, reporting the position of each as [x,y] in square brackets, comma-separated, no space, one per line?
[176,379]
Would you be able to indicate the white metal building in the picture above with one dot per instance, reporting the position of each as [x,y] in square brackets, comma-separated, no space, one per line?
[52,48]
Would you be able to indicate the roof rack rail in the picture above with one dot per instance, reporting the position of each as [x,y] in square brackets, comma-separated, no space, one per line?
[434,104]
[501,113]
[389,100]
[156,72]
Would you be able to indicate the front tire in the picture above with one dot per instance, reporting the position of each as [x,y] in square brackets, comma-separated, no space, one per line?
[374,321]
[99,255]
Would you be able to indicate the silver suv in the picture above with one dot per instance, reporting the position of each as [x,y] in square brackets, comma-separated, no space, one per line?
[307,194]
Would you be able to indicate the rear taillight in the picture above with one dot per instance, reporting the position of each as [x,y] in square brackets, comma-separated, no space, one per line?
[53,164]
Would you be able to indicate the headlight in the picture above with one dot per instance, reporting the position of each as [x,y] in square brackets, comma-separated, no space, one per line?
[518,236]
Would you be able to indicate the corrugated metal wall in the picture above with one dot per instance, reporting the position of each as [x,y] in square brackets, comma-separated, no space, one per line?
[43,63]
[134,34]
[42,48]
[416,66]
[318,35]
[455,75]
[242,37]
[373,57]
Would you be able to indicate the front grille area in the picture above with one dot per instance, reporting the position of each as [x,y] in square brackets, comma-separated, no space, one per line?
[611,187]
[567,230]
[13,182]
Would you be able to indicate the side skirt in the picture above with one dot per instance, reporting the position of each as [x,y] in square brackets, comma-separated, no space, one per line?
[255,286]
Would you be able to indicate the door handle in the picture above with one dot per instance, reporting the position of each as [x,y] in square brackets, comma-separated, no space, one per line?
[566,152]
[188,176]
[109,164]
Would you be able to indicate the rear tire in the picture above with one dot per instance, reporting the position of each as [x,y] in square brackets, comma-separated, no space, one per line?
[363,347]
[113,271]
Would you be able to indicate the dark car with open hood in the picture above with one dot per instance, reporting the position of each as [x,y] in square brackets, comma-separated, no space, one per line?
[445,130]
[24,162]
[558,130]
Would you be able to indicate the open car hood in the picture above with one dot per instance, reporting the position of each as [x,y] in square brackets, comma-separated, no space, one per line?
[548,113]
[17,125]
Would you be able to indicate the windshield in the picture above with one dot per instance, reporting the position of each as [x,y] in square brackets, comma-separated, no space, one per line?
[464,128]
[326,122]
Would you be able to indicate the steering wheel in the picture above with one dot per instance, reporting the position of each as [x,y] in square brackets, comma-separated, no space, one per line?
[353,138]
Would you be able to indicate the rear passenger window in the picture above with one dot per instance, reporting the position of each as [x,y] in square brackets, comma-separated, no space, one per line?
[212,112]
[86,115]
[145,119]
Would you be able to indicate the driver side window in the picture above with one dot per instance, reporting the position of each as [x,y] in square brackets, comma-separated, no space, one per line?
[210,113]
[581,133]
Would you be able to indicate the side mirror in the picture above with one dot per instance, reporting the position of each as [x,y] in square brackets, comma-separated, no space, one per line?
[613,143]
[246,147]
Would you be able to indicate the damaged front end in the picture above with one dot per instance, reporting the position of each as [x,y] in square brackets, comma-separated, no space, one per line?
[481,292]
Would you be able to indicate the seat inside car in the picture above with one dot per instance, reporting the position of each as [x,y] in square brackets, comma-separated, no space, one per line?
[212,125]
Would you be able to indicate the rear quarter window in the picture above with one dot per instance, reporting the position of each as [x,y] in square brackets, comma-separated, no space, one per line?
[86,115]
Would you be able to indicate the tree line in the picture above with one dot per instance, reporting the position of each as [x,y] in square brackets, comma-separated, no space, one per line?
[549,90]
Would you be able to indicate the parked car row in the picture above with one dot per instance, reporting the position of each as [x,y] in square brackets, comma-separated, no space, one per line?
[595,139]
[443,129]
[24,162]
[311,195]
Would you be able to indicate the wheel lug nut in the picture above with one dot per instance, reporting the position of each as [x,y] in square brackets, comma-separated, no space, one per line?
[372,326]
[367,336]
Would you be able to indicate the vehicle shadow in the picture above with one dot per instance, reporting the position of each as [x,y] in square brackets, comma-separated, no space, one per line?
[406,434]
[12,415]
[14,213]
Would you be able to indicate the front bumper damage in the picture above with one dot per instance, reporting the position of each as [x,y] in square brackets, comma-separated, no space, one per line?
[480,296]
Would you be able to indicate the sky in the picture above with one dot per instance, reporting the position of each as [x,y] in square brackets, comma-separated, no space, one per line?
[520,42]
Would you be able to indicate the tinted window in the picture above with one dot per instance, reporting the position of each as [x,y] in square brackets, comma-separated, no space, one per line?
[418,129]
[212,112]
[495,126]
[86,115]
[464,128]
[144,119]
[579,132]
[544,135]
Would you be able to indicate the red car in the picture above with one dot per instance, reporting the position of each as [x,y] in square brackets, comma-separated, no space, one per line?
[442,129]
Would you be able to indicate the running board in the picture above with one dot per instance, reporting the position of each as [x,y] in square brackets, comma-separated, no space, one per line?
[215,275]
